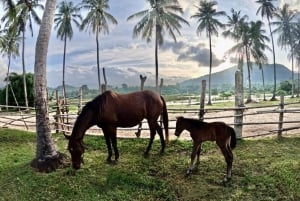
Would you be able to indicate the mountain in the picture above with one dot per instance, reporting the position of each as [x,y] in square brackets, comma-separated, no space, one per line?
[227,77]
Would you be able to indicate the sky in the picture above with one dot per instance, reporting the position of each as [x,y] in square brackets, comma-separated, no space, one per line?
[125,58]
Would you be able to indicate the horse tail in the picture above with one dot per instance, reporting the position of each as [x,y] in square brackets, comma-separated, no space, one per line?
[165,119]
[233,138]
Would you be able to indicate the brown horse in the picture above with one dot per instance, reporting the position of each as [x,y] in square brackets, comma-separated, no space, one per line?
[111,110]
[200,131]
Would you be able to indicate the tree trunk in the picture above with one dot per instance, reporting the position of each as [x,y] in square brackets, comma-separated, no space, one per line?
[7,81]
[293,81]
[274,63]
[249,99]
[210,66]
[98,62]
[64,69]
[24,70]
[156,58]
[47,158]
[263,81]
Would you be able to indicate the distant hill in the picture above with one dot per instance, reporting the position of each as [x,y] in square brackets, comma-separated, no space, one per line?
[227,77]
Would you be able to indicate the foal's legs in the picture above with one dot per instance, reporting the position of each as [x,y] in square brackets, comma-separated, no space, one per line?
[226,150]
[196,150]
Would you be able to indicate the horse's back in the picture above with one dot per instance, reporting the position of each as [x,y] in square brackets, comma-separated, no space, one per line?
[127,110]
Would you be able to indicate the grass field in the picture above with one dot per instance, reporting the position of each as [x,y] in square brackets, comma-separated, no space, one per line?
[263,169]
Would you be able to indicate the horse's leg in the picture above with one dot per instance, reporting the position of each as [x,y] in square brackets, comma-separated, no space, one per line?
[198,154]
[152,135]
[161,136]
[228,158]
[108,145]
[138,133]
[193,155]
[114,143]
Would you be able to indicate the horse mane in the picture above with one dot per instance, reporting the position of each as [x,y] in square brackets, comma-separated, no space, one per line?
[96,105]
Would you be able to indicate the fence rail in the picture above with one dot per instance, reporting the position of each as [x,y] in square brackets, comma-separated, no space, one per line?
[256,121]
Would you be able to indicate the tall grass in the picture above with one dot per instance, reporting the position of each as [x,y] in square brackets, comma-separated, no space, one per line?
[264,169]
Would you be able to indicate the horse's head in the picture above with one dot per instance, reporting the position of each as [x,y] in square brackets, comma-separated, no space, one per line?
[76,150]
[179,128]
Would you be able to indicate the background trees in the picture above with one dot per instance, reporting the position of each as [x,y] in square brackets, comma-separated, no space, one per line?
[207,18]
[67,14]
[97,21]
[161,17]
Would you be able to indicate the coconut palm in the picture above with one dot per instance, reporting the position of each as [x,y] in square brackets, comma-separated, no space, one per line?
[10,48]
[284,28]
[67,14]
[161,17]
[296,50]
[97,21]
[26,14]
[208,22]
[268,9]
[47,157]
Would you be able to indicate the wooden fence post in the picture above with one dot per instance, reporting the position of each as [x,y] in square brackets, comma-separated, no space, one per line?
[280,123]
[79,100]
[143,80]
[239,104]
[57,113]
[202,100]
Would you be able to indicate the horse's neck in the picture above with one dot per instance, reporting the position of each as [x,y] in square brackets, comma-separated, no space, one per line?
[80,129]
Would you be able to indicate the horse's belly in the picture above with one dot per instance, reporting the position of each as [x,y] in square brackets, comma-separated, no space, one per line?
[128,122]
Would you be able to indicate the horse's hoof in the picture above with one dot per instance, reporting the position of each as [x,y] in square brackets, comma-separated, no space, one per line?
[188,172]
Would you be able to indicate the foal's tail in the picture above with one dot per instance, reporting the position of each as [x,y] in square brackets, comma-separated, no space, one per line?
[233,138]
[165,119]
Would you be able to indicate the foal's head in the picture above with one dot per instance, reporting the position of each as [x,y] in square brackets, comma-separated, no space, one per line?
[179,126]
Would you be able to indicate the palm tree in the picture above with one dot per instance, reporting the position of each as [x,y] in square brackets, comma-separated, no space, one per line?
[161,17]
[284,28]
[257,46]
[47,158]
[97,20]
[27,14]
[67,14]
[296,49]
[10,47]
[207,18]
[268,9]
[234,30]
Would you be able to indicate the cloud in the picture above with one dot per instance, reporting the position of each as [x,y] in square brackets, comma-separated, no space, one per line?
[187,52]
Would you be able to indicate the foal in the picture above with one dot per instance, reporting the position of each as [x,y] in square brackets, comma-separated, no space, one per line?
[220,132]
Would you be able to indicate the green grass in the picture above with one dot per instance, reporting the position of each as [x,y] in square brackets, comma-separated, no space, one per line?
[264,169]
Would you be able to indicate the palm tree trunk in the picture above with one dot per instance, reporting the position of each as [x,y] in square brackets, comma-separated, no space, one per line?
[7,81]
[98,62]
[64,69]
[210,66]
[24,70]
[293,81]
[263,81]
[249,75]
[274,62]
[156,58]
[47,158]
